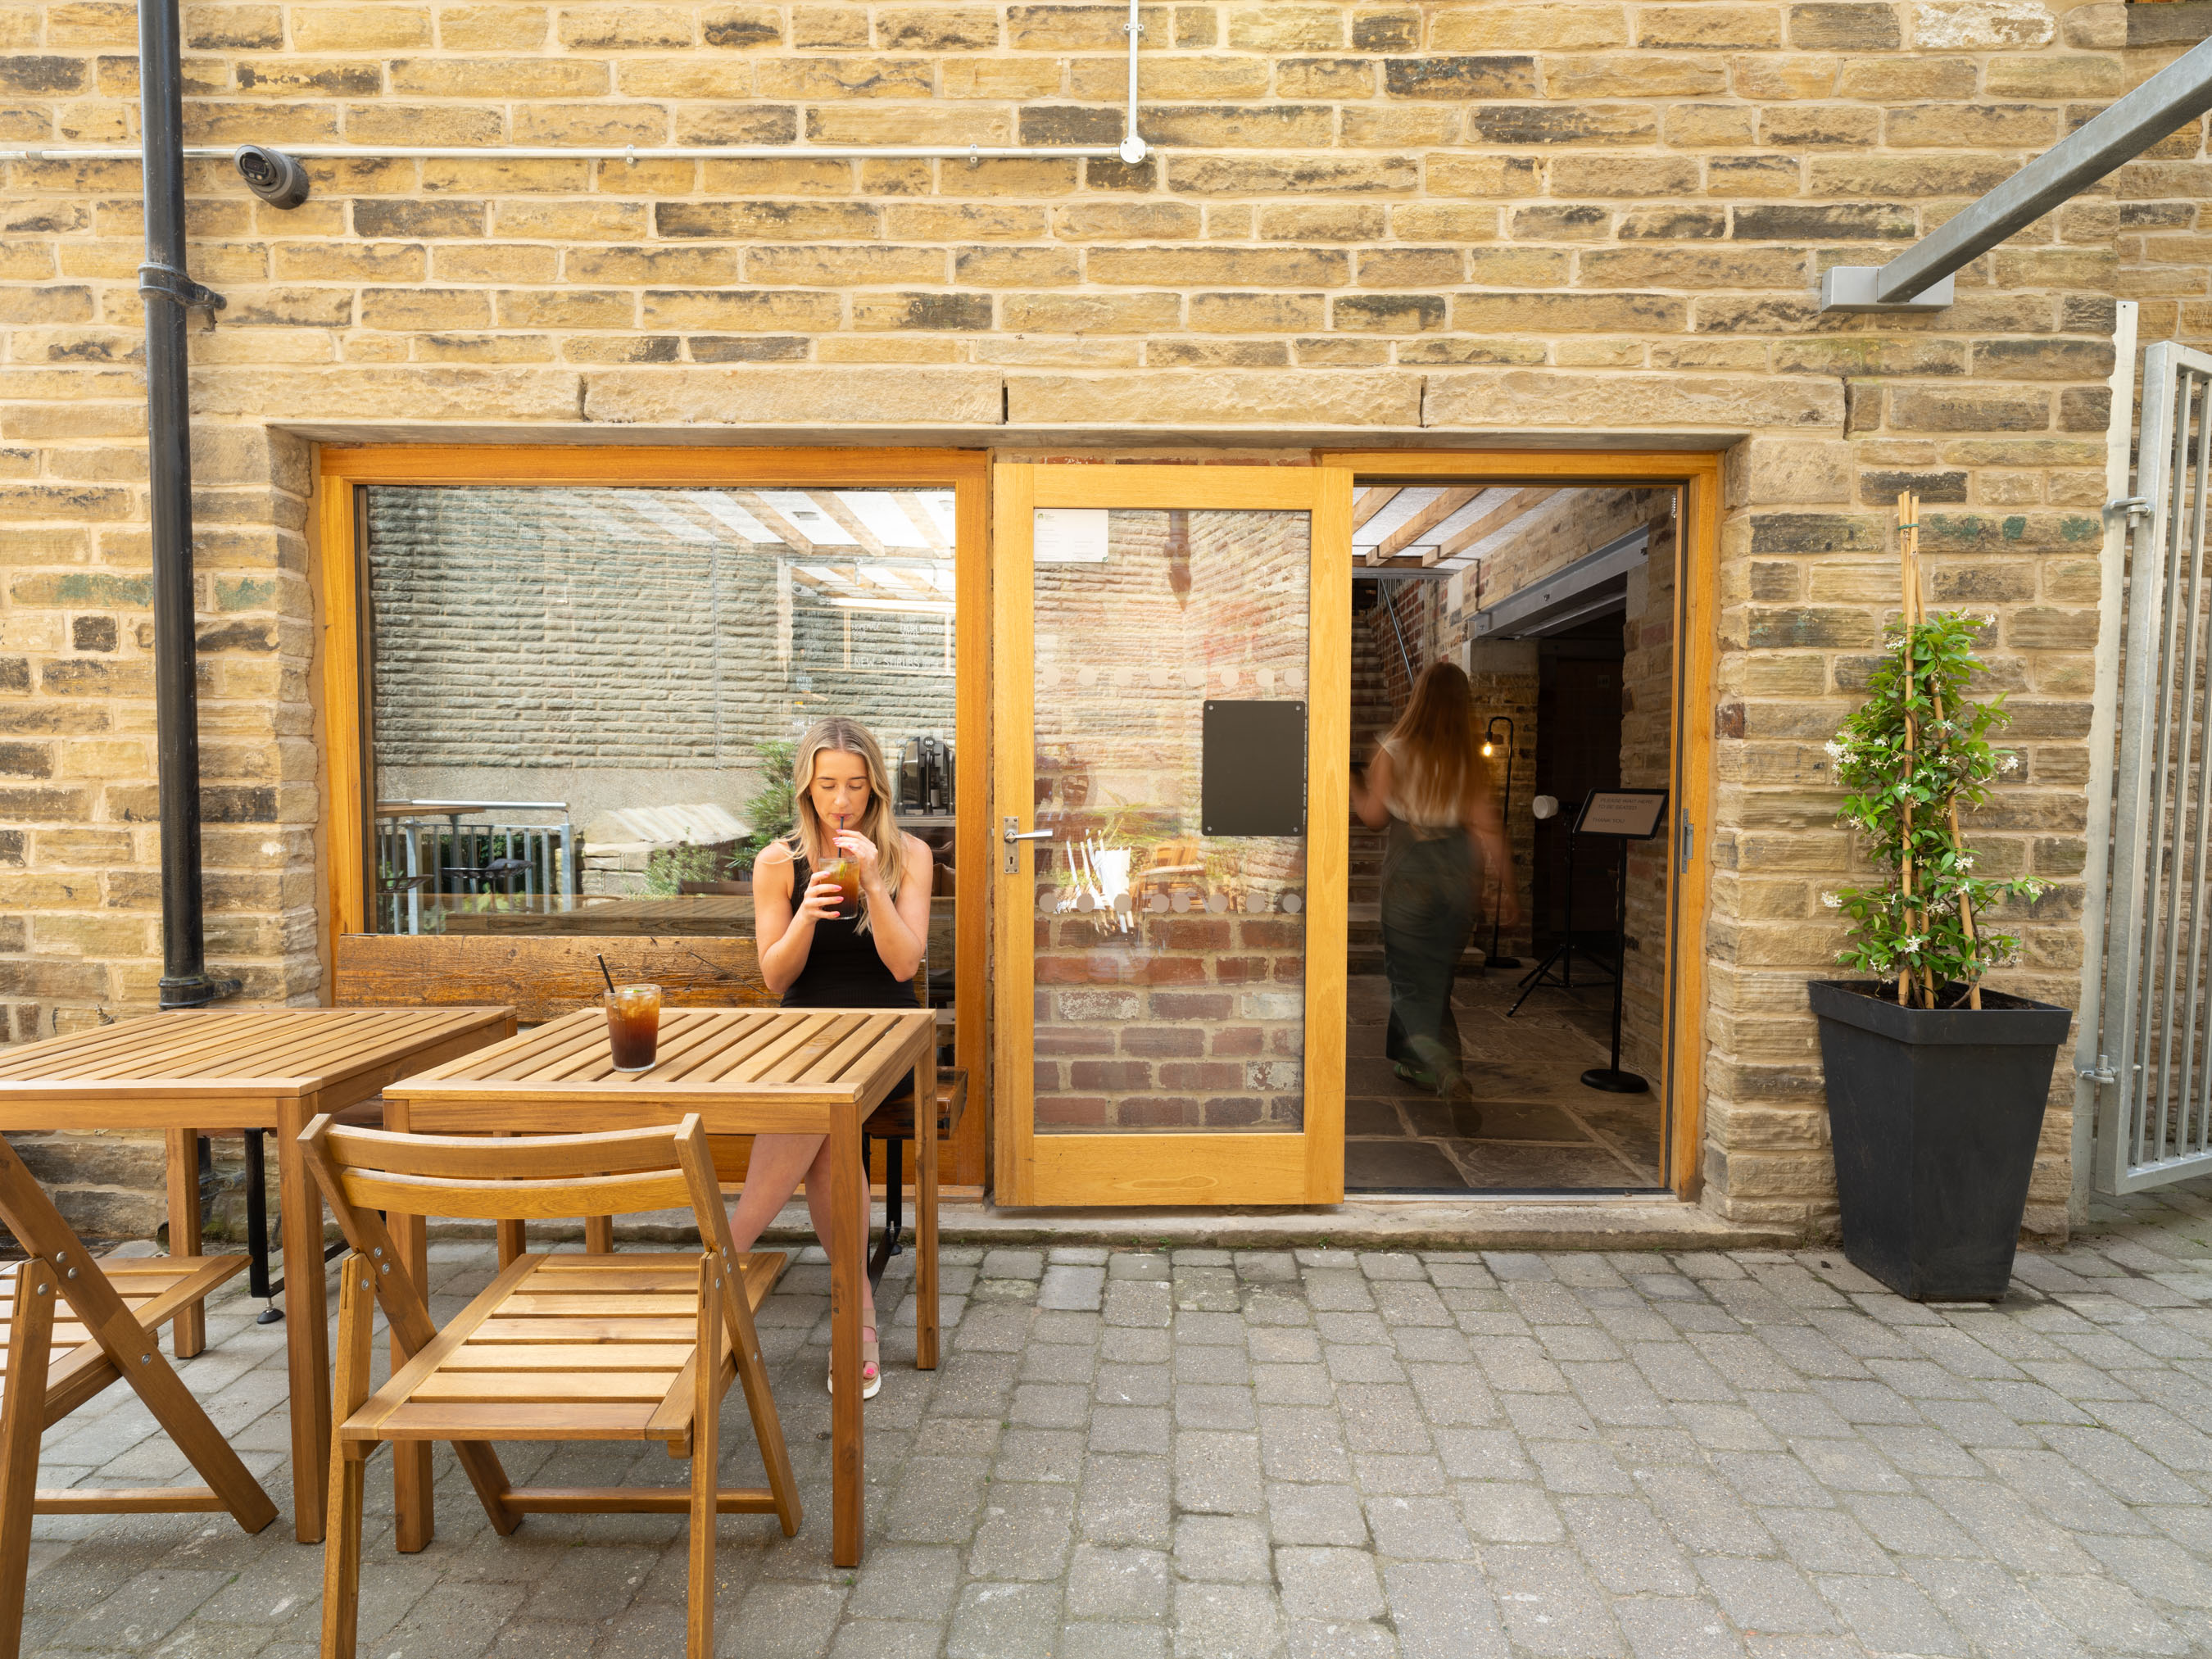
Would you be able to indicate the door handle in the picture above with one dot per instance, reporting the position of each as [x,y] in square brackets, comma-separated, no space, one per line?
[1015,835]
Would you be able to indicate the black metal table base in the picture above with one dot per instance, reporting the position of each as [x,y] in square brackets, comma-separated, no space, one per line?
[257,1281]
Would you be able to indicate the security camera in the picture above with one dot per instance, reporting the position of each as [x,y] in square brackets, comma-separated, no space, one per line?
[273,176]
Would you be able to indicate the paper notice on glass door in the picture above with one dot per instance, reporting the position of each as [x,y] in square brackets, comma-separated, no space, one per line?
[1071,535]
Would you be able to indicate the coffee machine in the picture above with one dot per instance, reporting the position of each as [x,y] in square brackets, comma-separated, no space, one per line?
[925,778]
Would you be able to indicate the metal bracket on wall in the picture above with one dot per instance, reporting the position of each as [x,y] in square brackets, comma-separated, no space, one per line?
[1919,279]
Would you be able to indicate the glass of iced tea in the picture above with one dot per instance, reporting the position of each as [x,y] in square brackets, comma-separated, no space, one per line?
[846,874]
[632,1025]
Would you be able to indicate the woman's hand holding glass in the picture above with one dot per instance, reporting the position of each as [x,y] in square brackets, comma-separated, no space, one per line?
[864,854]
[821,899]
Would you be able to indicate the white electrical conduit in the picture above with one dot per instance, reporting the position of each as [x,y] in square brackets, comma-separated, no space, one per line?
[1131,149]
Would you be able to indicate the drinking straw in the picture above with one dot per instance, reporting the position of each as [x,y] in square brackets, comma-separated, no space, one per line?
[607,976]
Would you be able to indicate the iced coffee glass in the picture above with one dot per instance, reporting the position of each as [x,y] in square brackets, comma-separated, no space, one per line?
[632,1025]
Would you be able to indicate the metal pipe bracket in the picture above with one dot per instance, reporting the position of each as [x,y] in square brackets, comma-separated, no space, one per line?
[167,282]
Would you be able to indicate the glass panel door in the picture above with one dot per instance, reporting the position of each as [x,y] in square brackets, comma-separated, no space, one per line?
[1171,767]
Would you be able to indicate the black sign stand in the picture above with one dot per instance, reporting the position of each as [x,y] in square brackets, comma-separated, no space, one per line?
[1624,815]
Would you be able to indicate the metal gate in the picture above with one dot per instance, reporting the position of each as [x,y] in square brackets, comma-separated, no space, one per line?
[2153,1054]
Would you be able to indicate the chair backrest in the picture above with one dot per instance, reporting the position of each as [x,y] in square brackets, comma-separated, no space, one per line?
[510,1178]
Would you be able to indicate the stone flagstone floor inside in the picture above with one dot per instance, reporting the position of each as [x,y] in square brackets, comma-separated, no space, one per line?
[1203,1454]
[1534,1126]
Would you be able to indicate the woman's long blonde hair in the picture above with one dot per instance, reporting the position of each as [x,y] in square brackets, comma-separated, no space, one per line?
[1434,742]
[812,837]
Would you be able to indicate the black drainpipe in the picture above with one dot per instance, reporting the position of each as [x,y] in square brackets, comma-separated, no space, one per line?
[168,294]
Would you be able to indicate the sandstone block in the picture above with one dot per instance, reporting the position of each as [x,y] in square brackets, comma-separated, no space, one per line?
[1569,313]
[1312,175]
[1844,25]
[739,310]
[515,77]
[493,27]
[1972,126]
[1458,79]
[1271,267]
[1944,409]
[792,396]
[1533,28]
[1256,313]
[1707,28]
[932,28]
[1017,267]
[1091,313]
[921,311]
[1287,28]
[1982,25]
[1323,77]
[351,391]
[360,29]
[1507,398]
[1524,127]
[1228,398]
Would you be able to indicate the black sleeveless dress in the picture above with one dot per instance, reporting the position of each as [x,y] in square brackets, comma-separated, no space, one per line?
[843,968]
[844,971]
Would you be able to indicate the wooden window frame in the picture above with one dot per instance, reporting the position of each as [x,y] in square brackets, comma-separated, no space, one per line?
[341,472]
[1697,475]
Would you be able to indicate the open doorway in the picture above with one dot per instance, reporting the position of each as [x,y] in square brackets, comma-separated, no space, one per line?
[1558,603]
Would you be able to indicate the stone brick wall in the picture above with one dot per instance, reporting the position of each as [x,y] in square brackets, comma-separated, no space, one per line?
[1366,219]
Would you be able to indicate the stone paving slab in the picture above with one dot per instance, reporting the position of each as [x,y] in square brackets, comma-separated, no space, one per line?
[1209,1453]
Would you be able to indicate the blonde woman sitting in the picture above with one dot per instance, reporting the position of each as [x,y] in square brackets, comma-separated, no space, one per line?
[842,800]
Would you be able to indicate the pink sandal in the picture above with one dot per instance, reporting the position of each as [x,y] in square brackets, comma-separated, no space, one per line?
[871,1365]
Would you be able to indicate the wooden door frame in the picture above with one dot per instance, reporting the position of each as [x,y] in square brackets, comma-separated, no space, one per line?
[1697,475]
[341,470]
[1207,1167]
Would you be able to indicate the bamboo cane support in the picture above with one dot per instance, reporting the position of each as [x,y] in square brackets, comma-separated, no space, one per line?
[1908,558]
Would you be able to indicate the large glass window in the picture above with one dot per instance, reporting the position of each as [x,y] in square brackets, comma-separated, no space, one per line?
[582,700]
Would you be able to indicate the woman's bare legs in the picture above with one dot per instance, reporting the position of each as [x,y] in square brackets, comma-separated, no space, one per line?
[779,1164]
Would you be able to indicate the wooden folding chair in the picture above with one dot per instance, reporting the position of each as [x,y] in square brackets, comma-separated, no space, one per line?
[635,1348]
[115,1308]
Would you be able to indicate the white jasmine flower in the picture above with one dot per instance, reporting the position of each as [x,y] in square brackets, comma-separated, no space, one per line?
[2010,763]
[1833,901]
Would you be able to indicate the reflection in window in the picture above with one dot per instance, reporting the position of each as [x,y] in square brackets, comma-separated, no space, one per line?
[583,698]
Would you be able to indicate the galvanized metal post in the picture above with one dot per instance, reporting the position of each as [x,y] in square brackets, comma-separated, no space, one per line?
[168,294]
[2089,1070]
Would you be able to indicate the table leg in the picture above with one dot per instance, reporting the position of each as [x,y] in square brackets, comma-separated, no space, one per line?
[306,1328]
[925,1210]
[188,1334]
[413,1521]
[849,1264]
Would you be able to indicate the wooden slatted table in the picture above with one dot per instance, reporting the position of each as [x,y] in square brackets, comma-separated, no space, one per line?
[745,1071]
[219,1069]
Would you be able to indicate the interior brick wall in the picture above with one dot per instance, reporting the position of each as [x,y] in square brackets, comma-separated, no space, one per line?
[1366,219]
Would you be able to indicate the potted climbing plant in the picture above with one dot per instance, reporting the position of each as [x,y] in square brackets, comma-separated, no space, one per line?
[1936,1083]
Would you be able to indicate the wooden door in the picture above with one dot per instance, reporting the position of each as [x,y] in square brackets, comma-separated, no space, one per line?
[1172,652]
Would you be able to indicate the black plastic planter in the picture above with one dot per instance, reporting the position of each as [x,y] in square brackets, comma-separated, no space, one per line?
[1934,1114]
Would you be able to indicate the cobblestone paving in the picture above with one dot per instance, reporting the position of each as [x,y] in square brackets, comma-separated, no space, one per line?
[1322,1452]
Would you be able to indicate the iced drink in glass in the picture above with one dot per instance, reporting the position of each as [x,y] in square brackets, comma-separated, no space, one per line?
[632,1025]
